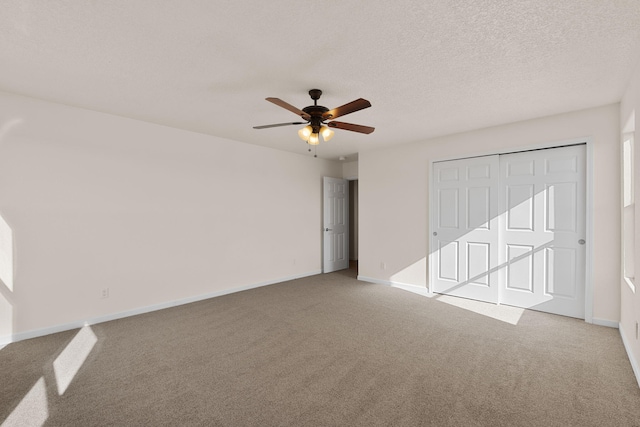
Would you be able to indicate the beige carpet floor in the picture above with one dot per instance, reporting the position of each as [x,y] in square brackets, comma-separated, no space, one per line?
[325,350]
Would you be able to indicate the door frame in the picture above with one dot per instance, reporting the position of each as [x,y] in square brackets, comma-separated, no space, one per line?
[325,179]
[588,291]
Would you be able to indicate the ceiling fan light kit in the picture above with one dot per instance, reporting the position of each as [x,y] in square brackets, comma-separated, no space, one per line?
[326,133]
[305,133]
[316,117]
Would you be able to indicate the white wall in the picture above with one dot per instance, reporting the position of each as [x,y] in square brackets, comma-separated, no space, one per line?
[394,183]
[350,170]
[155,214]
[630,301]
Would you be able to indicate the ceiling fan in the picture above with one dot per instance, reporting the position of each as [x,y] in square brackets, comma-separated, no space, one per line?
[316,117]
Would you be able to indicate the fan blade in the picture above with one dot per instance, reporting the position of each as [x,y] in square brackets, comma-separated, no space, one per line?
[279,124]
[286,106]
[351,127]
[358,104]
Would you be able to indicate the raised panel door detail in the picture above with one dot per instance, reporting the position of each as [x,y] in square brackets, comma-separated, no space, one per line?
[449,261]
[478,172]
[478,263]
[520,168]
[340,247]
[478,208]
[338,216]
[561,203]
[520,267]
[448,208]
[449,174]
[520,207]
[561,165]
[332,211]
[332,248]
[560,270]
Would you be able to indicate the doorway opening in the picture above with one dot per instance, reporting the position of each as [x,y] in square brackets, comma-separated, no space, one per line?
[340,225]
[353,225]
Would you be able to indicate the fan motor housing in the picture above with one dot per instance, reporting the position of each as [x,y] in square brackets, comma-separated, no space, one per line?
[315,110]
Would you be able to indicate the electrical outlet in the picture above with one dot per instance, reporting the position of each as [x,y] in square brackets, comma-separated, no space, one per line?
[383,266]
[104,293]
[636,329]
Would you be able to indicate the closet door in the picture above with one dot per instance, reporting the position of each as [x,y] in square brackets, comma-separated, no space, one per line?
[542,230]
[464,242]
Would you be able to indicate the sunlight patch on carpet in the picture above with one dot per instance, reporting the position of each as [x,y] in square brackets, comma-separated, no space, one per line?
[504,313]
[33,409]
[69,362]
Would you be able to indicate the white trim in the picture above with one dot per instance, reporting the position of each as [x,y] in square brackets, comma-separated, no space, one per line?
[632,360]
[414,288]
[374,280]
[431,256]
[420,290]
[588,285]
[114,316]
[505,150]
[630,283]
[588,274]
[604,322]
[329,266]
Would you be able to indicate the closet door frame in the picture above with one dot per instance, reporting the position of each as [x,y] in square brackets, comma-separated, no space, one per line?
[588,297]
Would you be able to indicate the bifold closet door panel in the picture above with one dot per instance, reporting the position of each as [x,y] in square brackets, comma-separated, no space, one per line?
[542,230]
[464,238]
[510,229]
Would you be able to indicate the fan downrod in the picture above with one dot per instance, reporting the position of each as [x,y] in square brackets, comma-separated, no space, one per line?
[315,111]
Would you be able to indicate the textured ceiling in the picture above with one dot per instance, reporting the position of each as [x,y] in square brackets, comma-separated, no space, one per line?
[428,67]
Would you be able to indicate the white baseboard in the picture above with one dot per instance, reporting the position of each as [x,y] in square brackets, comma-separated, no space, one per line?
[405,286]
[114,316]
[632,360]
[607,323]
[372,280]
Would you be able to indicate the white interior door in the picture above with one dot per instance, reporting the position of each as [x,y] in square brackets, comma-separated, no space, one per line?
[465,239]
[511,229]
[542,240]
[336,224]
